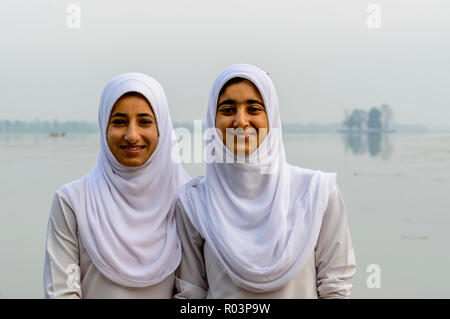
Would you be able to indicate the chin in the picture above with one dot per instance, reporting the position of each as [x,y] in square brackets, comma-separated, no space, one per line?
[133,163]
[241,151]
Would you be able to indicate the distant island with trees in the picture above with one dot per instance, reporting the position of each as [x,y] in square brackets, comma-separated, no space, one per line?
[377,120]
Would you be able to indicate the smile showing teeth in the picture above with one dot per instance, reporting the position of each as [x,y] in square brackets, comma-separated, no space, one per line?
[243,133]
[132,148]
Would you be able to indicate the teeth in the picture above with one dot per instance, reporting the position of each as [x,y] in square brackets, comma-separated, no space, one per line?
[135,148]
[243,133]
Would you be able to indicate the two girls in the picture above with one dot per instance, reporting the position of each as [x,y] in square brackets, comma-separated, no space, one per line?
[252,227]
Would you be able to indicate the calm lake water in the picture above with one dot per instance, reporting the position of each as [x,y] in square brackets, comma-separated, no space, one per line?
[396,188]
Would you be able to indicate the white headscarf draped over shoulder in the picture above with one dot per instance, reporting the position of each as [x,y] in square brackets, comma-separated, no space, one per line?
[262,224]
[125,214]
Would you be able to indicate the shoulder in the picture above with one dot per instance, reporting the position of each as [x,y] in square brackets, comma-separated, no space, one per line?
[72,190]
[189,193]
[335,194]
[184,223]
[307,180]
[181,214]
[335,215]
[64,198]
[62,213]
[309,173]
[191,184]
[188,198]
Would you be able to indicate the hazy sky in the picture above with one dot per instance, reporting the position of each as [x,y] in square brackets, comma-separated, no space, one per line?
[320,54]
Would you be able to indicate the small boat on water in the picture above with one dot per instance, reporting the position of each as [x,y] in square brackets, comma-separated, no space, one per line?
[56,134]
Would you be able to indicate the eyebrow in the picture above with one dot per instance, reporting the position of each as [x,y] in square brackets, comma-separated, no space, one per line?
[124,115]
[119,115]
[255,102]
[229,101]
[145,114]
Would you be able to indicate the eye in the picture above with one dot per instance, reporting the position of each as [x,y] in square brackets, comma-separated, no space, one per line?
[145,122]
[118,122]
[254,109]
[226,110]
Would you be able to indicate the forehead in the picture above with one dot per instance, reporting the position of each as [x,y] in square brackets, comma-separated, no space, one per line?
[244,88]
[132,103]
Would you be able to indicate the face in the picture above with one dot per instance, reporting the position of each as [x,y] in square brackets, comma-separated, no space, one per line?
[241,117]
[132,132]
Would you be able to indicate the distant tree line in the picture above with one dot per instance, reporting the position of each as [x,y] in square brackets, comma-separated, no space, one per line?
[377,119]
[37,126]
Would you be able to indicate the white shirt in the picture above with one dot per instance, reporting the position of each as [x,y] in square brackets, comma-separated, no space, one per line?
[326,274]
[65,249]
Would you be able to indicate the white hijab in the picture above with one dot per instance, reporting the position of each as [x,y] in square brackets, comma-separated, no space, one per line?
[125,214]
[262,227]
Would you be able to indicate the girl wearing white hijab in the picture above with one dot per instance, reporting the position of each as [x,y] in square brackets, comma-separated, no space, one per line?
[255,226]
[112,234]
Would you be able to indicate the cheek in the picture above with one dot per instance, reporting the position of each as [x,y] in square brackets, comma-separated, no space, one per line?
[223,122]
[152,137]
[112,136]
[155,138]
[221,126]
[262,121]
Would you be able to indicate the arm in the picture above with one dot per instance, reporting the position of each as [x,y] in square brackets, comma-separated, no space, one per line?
[190,280]
[62,258]
[335,258]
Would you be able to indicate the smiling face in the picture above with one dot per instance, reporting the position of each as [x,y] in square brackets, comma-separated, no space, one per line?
[132,132]
[241,116]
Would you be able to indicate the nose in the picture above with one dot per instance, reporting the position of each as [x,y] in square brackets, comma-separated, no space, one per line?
[241,119]
[132,135]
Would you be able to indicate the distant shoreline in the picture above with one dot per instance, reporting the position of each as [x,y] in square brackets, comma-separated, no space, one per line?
[67,127]
[366,131]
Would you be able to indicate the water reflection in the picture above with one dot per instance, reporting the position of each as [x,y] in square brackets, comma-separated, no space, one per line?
[377,144]
[45,138]
[374,142]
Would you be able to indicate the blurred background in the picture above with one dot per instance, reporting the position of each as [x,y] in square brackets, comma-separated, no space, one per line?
[363,89]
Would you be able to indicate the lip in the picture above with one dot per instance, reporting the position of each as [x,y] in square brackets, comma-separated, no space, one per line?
[242,137]
[242,134]
[132,149]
